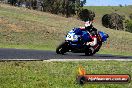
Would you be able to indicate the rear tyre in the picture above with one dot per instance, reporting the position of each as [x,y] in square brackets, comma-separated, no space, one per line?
[61,49]
[100,44]
[89,52]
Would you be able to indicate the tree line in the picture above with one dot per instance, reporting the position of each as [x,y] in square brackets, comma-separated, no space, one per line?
[64,7]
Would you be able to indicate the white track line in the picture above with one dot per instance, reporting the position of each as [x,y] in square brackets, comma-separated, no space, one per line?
[49,60]
[88,60]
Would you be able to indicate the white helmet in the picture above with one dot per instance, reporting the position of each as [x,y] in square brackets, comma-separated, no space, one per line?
[88,23]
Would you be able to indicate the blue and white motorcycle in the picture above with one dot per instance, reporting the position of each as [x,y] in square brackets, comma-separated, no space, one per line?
[76,43]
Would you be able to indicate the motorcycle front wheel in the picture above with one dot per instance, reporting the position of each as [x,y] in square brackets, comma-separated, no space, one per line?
[62,48]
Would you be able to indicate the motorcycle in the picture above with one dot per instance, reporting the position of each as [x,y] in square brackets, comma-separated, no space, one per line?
[77,43]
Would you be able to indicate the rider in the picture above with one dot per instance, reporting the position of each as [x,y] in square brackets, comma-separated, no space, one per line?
[92,32]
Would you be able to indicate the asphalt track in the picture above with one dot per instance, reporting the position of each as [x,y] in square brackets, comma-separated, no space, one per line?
[25,54]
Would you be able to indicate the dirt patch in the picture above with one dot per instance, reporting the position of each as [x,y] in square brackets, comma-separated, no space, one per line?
[14,27]
[2,21]
[10,26]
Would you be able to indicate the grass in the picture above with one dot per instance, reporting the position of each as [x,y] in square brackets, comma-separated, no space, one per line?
[34,47]
[43,74]
[29,29]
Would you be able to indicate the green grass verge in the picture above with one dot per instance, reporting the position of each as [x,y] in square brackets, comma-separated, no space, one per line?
[33,47]
[112,51]
[41,74]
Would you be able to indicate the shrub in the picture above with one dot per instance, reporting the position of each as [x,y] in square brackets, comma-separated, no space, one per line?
[129,26]
[113,21]
[130,16]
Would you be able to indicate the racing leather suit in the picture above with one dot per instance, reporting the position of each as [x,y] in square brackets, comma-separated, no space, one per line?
[93,38]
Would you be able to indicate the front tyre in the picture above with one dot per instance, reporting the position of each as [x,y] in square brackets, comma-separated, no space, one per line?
[61,49]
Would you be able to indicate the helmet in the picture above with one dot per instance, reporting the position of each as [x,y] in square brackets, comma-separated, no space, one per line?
[88,23]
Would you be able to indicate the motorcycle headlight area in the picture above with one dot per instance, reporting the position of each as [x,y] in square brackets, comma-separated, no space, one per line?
[75,37]
[72,37]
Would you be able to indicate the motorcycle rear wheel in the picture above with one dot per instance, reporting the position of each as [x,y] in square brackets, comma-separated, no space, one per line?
[89,52]
[100,44]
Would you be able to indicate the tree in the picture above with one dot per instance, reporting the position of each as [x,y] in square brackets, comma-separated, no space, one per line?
[120,5]
[82,3]
[86,15]
[34,4]
[65,7]
[12,2]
